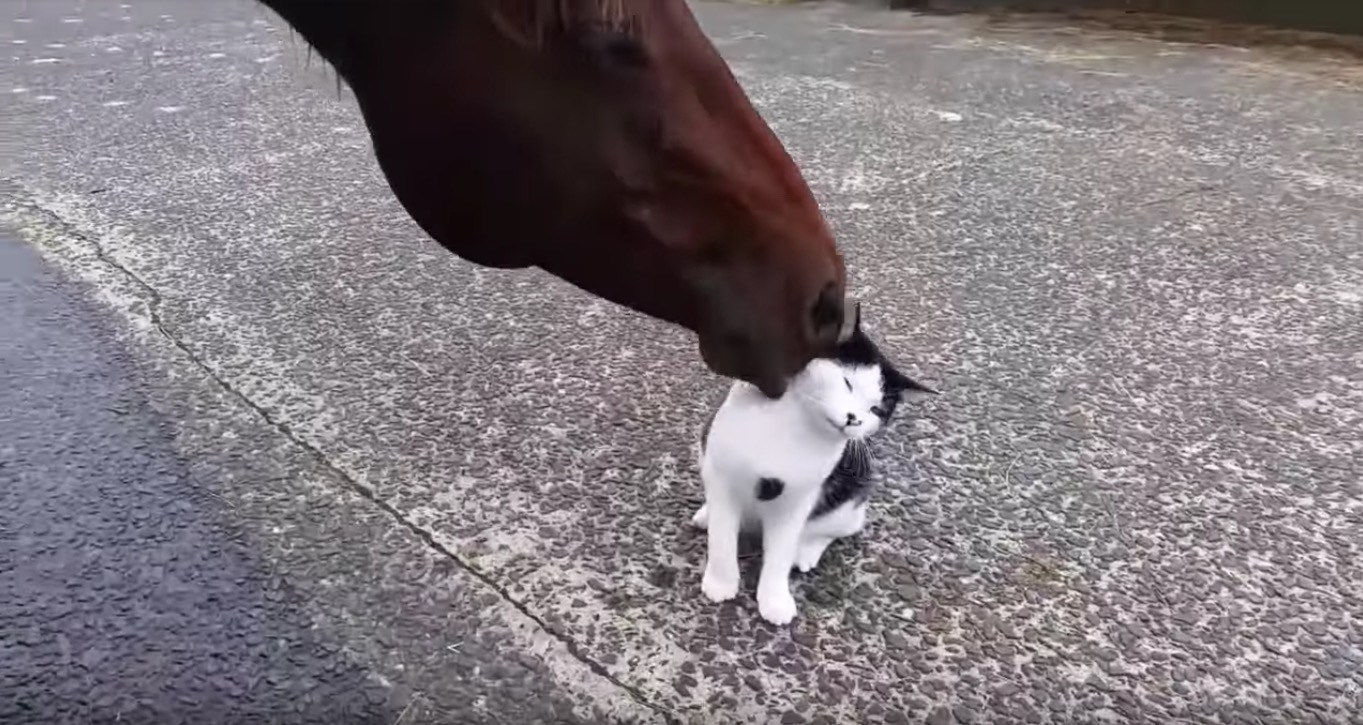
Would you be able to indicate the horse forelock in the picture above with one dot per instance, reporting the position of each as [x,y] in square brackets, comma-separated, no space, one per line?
[531,22]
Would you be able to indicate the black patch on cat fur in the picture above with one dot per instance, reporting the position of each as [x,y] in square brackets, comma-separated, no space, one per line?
[859,350]
[769,489]
[849,481]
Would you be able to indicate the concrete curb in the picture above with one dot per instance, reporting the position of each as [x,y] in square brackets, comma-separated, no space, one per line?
[1325,16]
[1320,24]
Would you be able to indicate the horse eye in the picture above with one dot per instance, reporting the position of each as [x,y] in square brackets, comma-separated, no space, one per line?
[622,49]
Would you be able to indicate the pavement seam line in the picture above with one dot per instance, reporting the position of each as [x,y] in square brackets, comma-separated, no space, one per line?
[153,306]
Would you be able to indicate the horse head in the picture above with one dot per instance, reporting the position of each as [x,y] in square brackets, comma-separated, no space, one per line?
[604,141]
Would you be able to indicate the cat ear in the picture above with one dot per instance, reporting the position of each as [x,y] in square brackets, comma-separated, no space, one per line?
[899,382]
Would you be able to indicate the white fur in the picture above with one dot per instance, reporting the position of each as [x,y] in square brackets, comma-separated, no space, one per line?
[797,439]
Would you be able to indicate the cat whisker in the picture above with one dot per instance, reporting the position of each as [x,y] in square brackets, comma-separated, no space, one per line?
[860,457]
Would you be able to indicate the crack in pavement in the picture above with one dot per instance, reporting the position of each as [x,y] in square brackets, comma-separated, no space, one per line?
[26,202]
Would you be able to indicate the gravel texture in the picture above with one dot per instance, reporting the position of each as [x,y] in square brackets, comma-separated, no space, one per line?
[1133,268]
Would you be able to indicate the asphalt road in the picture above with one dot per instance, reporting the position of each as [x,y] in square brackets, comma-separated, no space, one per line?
[127,588]
[267,454]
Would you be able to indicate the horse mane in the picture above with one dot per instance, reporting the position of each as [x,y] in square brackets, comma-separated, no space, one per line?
[531,22]
[331,26]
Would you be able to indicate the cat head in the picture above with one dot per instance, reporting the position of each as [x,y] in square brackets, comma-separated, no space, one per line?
[857,389]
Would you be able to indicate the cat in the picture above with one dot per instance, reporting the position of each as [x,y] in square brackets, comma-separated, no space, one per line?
[796,468]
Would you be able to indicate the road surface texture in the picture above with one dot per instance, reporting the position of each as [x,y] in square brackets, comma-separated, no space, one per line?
[269,454]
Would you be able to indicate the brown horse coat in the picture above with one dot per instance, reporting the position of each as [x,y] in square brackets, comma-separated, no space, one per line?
[604,141]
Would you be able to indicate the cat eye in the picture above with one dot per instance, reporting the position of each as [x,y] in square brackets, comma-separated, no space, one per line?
[848,383]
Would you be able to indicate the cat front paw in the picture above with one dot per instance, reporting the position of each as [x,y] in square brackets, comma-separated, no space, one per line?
[809,555]
[719,588]
[776,607]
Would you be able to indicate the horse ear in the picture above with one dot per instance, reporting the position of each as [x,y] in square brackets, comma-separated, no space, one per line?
[851,321]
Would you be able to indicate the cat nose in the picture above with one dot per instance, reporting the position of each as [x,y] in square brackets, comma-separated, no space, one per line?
[852,419]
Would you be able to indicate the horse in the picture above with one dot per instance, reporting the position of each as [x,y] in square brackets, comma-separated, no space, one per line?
[605,142]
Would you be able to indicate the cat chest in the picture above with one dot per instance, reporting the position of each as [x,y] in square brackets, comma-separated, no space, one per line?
[747,445]
[764,473]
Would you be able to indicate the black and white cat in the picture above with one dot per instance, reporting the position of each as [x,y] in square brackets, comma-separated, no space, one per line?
[796,468]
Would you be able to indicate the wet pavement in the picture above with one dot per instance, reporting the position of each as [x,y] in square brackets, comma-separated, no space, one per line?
[270,454]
